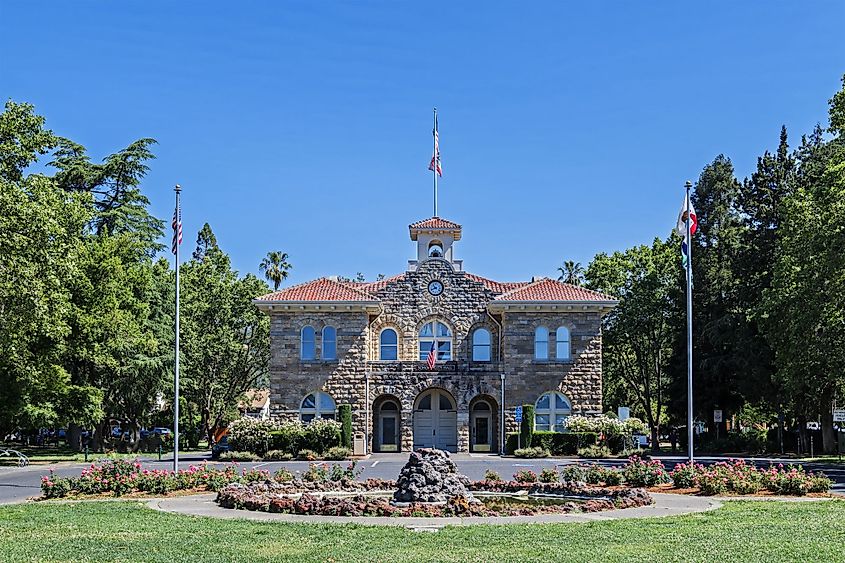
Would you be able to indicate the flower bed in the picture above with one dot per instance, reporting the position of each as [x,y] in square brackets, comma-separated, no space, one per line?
[738,477]
[276,497]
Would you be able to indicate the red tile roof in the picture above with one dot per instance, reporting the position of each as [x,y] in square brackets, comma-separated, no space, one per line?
[434,223]
[547,289]
[495,286]
[323,289]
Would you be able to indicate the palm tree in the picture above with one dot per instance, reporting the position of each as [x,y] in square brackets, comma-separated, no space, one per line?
[275,267]
[571,272]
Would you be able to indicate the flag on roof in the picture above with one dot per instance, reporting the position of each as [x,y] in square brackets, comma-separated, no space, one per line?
[435,158]
[432,356]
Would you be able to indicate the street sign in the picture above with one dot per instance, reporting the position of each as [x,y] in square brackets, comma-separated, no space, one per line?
[517,414]
[838,415]
[717,415]
[813,426]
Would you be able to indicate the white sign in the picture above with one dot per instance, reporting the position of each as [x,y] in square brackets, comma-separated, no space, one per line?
[813,426]
[838,415]
[624,413]
[717,415]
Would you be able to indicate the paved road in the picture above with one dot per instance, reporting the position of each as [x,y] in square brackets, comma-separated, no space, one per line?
[18,484]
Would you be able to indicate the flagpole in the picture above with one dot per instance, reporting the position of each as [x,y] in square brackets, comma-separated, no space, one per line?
[688,185]
[434,136]
[178,190]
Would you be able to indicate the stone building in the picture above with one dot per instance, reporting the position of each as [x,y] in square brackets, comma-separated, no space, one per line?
[492,345]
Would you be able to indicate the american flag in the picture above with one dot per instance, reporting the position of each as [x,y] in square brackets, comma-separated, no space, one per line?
[432,356]
[435,158]
[177,229]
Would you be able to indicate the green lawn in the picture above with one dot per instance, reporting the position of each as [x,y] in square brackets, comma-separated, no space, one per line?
[128,531]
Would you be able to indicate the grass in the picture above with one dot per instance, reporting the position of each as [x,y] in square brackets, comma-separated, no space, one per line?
[128,531]
[56,454]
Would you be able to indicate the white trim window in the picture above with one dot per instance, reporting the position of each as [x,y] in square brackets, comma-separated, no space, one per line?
[388,350]
[440,335]
[481,345]
[329,350]
[307,344]
[550,412]
[562,343]
[317,405]
[541,343]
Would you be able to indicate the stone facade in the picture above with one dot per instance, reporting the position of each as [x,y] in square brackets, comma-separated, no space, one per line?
[361,311]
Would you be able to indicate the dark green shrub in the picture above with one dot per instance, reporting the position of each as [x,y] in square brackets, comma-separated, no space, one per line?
[345,413]
[526,427]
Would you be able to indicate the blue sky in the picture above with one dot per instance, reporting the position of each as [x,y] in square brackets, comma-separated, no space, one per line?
[566,129]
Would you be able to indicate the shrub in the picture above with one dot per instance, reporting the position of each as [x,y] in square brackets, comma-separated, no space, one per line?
[594,452]
[283,475]
[337,453]
[320,434]
[548,475]
[239,456]
[573,473]
[345,415]
[641,473]
[525,476]
[307,455]
[278,455]
[526,427]
[491,475]
[531,452]
[251,435]
[684,475]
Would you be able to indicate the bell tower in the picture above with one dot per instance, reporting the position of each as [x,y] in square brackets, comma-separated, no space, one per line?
[435,238]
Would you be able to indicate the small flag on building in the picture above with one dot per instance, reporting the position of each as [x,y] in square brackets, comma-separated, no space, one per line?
[432,356]
[177,229]
[435,158]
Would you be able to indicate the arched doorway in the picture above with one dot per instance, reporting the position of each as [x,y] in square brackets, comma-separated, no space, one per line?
[481,436]
[436,421]
[388,418]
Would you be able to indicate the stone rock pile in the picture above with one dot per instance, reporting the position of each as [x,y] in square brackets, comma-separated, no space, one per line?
[430,476]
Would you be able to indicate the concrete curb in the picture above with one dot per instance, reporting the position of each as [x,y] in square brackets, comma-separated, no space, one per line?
[664,505]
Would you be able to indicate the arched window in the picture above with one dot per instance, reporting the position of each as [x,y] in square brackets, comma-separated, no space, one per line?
[388,345]
[435,249]
[438,335]
[550,412]
[541,343]
[317,405]
[307,348]
[481,345]
[329,343]
[562,349]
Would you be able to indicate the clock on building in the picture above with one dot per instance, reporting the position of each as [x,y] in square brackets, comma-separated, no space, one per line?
[435,287]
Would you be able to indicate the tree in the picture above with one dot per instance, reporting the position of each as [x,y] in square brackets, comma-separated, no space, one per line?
[571,272]
[275,267]
[637,334]
[225,338]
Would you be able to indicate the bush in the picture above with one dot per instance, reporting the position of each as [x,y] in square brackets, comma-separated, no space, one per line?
[239,456]
[531,452]
[491,475]
[548,475]
[595,452]
[526,427]
[525,476]
[278,455]
[641,473]
[337,453]
[307,455]
[251,435]
[345,415]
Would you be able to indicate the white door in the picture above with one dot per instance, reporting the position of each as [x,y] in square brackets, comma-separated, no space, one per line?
[436,421]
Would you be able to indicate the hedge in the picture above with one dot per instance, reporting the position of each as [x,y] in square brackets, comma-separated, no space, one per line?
[526,427]
[557,443]
[345,414]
